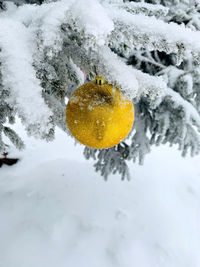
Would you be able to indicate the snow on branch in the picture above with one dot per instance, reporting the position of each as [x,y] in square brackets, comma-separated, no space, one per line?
[116,71]
[191,113]
[94,20]
[151,86]
[19,77]
[45,21]
[141,8]
[134,83]
[152,34]
[92,24]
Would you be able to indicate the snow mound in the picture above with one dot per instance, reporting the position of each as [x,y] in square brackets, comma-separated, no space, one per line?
[56,211]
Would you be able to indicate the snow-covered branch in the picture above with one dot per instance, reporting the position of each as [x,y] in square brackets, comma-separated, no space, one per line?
[191,113]
[19,77]
[152,34]
[141,8]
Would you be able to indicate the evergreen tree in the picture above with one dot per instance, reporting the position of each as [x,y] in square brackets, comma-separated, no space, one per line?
[150,50]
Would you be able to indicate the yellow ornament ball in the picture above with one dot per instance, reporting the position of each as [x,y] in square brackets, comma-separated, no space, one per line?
[98,115]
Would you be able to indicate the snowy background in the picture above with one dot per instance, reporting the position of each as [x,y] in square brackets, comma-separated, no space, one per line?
[56,211]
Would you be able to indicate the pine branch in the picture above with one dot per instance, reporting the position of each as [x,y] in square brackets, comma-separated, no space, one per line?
[133,82]
[15,52]
[14,138]
[152,34]
[191,114]
[141,8]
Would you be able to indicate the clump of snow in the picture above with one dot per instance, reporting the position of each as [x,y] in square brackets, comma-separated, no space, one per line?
[116,72]
[90,107]
[133,82]
[93,19]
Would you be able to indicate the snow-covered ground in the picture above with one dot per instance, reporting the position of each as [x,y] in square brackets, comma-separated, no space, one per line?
[55,211]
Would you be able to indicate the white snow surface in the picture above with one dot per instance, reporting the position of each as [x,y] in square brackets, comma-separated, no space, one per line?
[56,211]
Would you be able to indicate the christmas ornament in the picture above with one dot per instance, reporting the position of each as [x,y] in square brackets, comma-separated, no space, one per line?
[98,115]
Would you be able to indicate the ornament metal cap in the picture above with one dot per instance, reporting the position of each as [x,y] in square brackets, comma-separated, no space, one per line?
[100,80]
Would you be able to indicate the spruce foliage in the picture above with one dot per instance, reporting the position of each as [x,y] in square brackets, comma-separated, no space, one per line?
[149,49]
